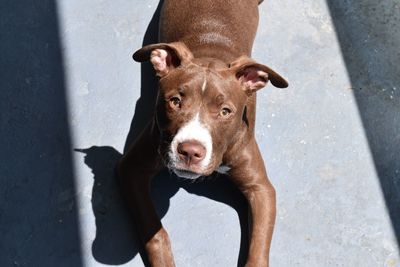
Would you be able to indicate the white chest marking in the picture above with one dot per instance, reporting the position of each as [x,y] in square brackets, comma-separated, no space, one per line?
[223,169]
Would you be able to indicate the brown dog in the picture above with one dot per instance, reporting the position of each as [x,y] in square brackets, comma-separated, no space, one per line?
[205,115]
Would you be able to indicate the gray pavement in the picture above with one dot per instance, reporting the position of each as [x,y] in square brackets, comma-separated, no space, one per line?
[71,99]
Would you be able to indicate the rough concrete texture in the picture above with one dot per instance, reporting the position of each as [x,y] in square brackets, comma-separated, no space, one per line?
[69,91]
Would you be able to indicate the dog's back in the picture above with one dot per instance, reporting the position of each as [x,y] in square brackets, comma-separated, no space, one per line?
[211,28]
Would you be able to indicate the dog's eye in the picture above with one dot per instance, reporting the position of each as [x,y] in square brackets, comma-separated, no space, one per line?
[225,112]
[175,102]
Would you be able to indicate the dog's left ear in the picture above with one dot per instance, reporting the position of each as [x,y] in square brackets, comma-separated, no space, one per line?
[164,56]
[254,76]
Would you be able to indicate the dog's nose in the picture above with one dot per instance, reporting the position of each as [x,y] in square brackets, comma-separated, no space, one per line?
[192,152]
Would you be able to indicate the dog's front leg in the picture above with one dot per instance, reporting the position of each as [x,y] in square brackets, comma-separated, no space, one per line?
[135,171]
[251,177]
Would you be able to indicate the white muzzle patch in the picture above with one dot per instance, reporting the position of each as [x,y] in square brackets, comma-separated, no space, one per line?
[196,131]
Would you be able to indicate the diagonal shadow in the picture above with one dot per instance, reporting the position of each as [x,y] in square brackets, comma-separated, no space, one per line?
[116,241]
[38,212]
[369,35]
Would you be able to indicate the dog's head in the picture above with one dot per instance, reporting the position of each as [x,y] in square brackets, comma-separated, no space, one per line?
[201,104]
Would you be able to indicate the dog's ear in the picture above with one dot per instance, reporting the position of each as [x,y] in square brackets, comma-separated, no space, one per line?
[164,56]
[254,76]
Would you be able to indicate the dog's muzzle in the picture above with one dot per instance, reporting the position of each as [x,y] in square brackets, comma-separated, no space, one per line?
[191,150]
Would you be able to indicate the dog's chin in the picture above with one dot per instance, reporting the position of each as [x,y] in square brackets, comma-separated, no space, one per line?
[186,174]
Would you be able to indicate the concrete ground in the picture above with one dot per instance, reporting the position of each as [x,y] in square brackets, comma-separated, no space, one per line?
[70,94]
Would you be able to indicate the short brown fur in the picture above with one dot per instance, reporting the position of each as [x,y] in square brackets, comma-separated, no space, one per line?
[204,40]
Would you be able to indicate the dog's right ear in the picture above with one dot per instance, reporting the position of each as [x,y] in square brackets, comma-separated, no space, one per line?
[164,56]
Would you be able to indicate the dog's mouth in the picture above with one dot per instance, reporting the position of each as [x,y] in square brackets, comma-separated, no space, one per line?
[186,174]
[183,170]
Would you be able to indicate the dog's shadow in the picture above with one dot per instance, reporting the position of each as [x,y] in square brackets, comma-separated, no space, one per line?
[116,241]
